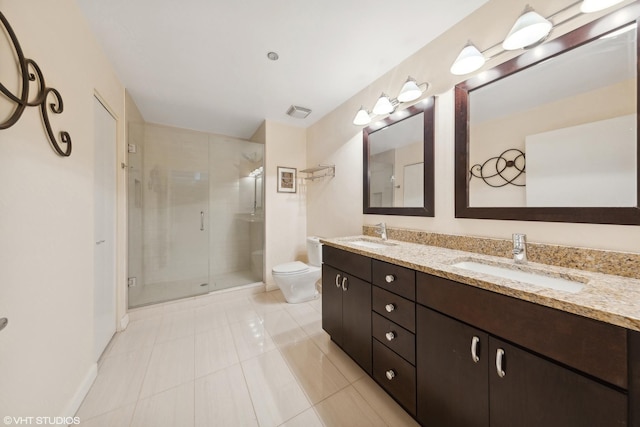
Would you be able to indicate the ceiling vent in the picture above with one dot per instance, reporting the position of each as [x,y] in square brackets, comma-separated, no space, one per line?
[298,112]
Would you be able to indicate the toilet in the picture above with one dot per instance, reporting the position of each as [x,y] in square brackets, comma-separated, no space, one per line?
[297,280]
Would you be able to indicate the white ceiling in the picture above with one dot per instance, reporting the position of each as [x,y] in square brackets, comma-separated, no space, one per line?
[202,64]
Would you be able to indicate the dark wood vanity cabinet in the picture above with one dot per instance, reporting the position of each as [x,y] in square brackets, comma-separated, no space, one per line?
[346,303]
[454,355]
[467,376]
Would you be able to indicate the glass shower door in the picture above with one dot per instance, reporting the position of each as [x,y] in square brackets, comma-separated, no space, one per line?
[168,214]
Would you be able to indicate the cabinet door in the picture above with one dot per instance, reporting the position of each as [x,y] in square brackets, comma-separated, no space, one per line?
[356,321]
[535,392]
[452,385]
[332,302]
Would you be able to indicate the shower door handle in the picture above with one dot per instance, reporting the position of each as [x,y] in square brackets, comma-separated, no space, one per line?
[201,220]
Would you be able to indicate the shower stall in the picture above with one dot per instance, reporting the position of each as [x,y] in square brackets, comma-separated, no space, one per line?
[196,216]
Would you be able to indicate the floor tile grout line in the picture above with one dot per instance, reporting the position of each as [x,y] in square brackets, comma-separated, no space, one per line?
[193,383]
[246,384]
[369,403]
[144,377]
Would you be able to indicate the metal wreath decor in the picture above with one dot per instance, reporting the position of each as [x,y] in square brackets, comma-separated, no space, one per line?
[22,101]
[495,171]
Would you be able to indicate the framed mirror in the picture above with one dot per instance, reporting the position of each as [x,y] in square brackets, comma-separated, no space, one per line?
[552,134]
[398,163]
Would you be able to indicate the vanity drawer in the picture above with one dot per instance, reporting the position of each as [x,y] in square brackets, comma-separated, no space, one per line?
[395,375]
[399,280]
[395,308]
[402,341]
[354,264]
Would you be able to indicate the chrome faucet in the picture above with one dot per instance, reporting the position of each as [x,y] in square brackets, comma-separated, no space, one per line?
[382,230]
[519,248]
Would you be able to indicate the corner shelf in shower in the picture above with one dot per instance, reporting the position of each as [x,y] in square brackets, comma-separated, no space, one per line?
[248,217]
[330,171]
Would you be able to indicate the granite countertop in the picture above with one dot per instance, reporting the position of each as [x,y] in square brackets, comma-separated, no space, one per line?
[608,298]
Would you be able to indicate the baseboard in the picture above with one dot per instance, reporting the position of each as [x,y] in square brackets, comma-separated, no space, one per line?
[124,322]
[81,392]
[271,287]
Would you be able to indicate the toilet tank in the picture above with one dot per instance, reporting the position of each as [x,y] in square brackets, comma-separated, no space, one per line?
[314,251]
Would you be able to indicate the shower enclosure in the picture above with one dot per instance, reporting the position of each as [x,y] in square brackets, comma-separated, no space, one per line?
[196,217]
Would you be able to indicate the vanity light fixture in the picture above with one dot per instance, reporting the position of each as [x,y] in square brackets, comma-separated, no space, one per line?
[362,117]
[383,105]
[589,6]
[529,29]
[411,90]
[469,60]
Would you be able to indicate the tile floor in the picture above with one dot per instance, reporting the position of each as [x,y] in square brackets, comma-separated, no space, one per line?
[233,359]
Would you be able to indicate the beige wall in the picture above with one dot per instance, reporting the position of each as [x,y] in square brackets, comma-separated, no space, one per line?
[335,207]
[46,206]
[285,213]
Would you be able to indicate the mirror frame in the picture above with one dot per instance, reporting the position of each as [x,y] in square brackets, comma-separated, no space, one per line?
[426,106]
[596,215]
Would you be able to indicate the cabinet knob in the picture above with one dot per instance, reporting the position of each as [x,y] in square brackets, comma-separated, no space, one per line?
[389,278]
[474,349]
[3,323]
[390,335]
[337,280]
[389,308]
[391,374]
[499,363]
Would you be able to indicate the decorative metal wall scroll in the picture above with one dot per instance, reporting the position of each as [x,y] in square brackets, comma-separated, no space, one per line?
[501,170]
[30,72]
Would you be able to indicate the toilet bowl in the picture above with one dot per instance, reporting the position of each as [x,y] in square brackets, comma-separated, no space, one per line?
[297,280]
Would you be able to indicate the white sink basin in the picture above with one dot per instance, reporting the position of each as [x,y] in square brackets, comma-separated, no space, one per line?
[531,278]
[369,244]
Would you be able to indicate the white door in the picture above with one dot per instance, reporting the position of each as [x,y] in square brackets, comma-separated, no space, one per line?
[104,296]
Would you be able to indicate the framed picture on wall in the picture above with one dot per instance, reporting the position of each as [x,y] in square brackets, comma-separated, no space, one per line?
[286,180]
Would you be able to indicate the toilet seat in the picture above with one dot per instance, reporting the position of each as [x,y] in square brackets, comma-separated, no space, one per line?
[288,268]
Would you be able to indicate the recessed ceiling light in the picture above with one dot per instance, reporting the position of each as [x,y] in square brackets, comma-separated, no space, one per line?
[273,56]
[298,112]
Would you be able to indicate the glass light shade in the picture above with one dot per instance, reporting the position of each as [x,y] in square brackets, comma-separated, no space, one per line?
[589,6]
[383,105]
[469,60]
[362,117]
[529,29]
[410,91]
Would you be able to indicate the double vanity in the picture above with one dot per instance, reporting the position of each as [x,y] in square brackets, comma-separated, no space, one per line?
[464,339]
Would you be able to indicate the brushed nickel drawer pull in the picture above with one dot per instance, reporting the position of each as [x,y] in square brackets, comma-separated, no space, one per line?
[474,349]
[390,278]
[389,308]
[337,280]
[391,374]
[499,357]
[390,335]
[345,284]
